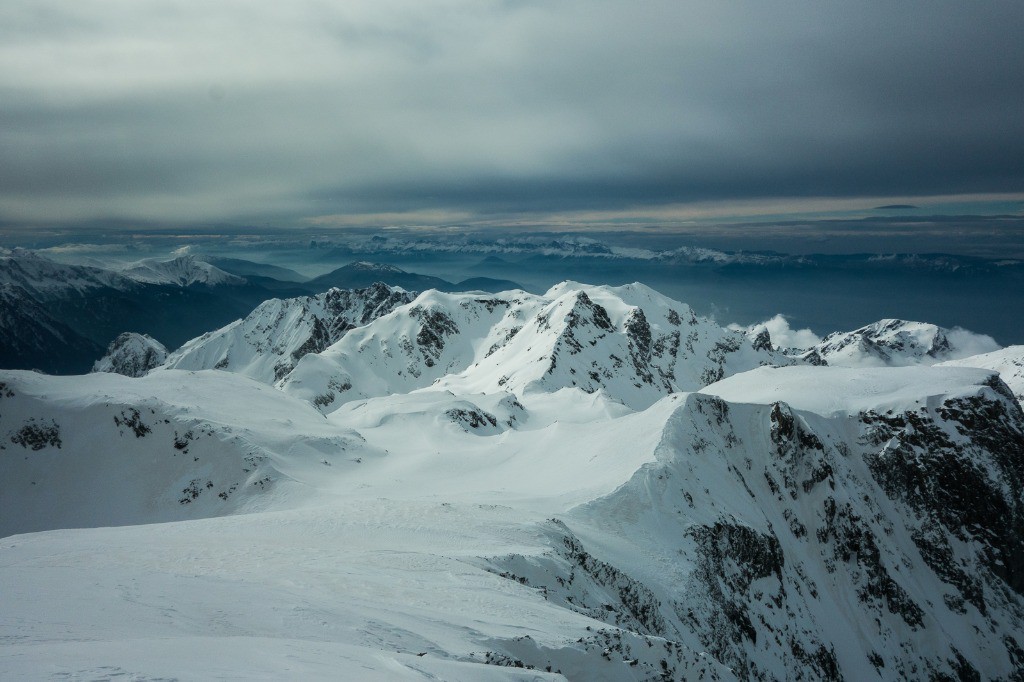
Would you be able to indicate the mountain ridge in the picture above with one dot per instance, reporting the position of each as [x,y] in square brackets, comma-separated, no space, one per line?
[590,483]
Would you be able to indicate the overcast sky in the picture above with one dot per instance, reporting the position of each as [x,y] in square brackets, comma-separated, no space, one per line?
[459,110]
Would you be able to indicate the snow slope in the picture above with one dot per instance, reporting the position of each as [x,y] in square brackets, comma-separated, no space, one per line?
[106,449]
[1009,362]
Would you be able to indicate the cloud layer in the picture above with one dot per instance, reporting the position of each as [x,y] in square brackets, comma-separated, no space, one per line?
[181,110]
[782,335]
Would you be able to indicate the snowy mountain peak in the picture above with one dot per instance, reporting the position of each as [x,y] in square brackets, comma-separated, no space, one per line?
[630,343]
[132,355]
[893,342]
[186,270]
[761,340]
[267,343]
[368,266]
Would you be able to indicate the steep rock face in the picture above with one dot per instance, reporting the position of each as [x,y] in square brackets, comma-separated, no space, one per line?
[628,342]
[859,544]
[267,343]
[435,335]
[897,343]
[132,355]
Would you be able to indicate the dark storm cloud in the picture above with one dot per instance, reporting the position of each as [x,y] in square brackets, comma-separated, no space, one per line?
[199,111]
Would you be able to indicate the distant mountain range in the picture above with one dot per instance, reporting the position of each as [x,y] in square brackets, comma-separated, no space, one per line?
[821,291]
[58,317]
[362,274]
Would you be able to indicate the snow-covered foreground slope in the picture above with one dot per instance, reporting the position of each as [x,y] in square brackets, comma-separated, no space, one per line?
[106,449]
[629,342]
[791,523]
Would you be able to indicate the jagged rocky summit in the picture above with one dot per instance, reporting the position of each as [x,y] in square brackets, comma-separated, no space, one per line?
[629,343]
[132,355]
[897,343]
[267,343]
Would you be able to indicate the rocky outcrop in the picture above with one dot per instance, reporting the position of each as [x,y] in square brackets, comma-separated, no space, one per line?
[132,355]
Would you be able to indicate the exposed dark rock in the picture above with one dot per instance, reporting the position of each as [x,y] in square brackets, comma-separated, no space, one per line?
[435,326]
[133,420]
[763,341]
[853,541]
[37,435]
[472,419]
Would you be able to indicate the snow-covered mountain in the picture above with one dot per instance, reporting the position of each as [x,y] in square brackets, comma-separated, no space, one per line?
[267,343]
[44,278]
[172,301]
[629,342]
[184,271]
[132,355]
[31,337]
[897,343]
[820,523]
[360,274]
[591,484]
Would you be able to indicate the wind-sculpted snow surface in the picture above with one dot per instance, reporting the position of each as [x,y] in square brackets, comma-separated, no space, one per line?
[1009,362]
[475,505]
[629,342]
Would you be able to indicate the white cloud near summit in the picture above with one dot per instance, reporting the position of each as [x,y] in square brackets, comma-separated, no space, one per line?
[782,334]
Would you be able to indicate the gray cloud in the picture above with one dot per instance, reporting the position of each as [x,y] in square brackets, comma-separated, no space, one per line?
[178,110]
